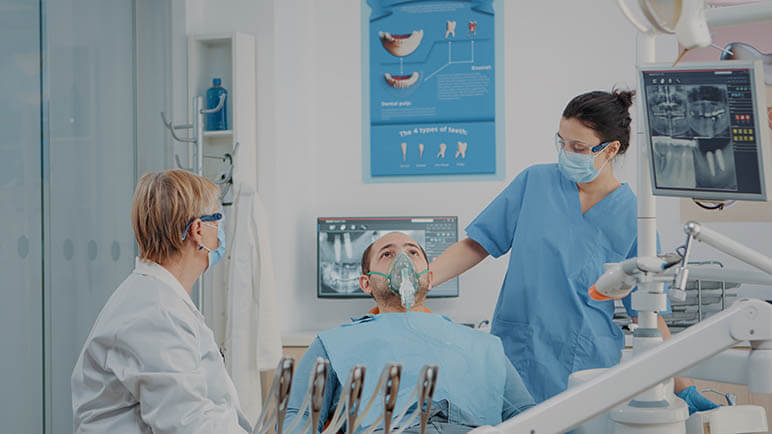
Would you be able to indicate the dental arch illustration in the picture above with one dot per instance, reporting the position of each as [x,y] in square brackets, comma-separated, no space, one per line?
[401,81]
[401,45]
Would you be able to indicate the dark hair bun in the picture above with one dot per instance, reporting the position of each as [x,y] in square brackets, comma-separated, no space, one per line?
[625,97]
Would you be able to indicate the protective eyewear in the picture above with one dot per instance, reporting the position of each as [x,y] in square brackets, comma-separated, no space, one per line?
[206,218]
[561,144]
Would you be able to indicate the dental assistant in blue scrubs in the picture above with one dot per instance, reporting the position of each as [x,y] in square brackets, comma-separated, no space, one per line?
[560,223]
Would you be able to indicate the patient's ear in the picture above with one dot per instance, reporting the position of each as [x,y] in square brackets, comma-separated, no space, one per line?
[364,283]
[430,277]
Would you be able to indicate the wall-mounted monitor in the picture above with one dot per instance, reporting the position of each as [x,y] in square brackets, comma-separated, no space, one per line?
[342,240]
[706,130]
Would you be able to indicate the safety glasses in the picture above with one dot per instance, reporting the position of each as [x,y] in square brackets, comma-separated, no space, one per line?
[561,144]
[206,218]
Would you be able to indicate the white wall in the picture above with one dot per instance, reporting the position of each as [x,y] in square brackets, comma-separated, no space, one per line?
[309,130]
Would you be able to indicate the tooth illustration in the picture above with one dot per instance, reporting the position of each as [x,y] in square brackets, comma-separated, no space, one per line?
[473,28]
[401,45]
[443,148]
[450,29]
[401,81]
[420,150]
[461,150]
[404,151]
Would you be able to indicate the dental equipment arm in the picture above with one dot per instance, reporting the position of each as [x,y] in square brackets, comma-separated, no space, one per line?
[747,320]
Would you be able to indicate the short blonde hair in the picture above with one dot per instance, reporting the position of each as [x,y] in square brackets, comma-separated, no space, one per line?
[164,203]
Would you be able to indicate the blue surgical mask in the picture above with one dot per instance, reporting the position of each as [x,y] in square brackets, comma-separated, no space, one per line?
[579,167]
[217,254]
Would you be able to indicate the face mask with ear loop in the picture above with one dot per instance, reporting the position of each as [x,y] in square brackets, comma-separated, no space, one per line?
[402,279]
[214,254]
[577,167]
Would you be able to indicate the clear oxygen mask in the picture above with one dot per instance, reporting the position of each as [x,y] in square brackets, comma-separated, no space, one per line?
[402,279]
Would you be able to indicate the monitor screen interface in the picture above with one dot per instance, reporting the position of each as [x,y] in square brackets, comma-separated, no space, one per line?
[342,240]
[702,132]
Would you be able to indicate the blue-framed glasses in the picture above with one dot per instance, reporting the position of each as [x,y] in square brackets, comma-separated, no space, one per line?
[593,150]
[206,218]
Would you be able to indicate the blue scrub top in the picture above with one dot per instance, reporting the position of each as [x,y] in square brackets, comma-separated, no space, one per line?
[547,323]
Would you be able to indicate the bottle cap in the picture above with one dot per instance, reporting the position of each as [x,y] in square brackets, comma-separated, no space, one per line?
[216,81]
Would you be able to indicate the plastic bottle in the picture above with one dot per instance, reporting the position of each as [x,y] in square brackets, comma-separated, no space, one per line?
[218,120]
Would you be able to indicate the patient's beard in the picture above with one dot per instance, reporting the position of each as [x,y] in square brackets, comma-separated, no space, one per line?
[389,302]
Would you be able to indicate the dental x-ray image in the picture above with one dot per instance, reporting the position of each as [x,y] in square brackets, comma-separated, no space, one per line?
[687,111]
[690,129]
[708,111]
[694,163]
[340,255]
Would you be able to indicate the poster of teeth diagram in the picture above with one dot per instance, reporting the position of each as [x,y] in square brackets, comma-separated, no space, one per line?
[432,98]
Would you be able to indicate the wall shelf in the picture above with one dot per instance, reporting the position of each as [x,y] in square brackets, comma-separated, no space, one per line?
[219,133]
[230,57]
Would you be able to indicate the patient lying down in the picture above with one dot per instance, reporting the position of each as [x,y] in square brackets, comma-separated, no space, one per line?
[476,384]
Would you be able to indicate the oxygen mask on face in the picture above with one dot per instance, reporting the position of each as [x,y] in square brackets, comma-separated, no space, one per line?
[402,279]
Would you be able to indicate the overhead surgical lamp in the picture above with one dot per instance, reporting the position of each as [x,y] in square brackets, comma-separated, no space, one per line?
[683,18]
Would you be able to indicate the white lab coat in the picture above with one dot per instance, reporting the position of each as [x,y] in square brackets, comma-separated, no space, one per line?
[151,365]
[252,339]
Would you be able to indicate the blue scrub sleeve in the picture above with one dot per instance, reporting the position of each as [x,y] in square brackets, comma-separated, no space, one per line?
[300,388]
[517,399]
[628,301]
[494,227]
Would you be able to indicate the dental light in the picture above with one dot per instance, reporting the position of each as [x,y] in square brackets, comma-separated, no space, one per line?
[683,18]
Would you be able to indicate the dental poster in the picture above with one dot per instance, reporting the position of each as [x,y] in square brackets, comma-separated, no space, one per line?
[432,97]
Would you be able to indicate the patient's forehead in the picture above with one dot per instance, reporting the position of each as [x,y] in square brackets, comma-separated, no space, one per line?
[399,239]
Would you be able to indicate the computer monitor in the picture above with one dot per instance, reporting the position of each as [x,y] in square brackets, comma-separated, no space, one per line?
[342,240]
[706,130]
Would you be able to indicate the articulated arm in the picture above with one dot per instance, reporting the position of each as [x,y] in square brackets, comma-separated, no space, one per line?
[746,320]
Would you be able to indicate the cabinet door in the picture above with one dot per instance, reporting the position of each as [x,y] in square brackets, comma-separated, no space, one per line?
[21,260]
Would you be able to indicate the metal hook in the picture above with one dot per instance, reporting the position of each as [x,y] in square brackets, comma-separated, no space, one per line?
[179,165]
[216,109]
[171,128]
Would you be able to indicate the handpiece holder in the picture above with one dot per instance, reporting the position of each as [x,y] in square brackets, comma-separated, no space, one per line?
[279,392]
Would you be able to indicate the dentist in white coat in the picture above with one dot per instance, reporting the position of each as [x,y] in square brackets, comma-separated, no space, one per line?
[150,363]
